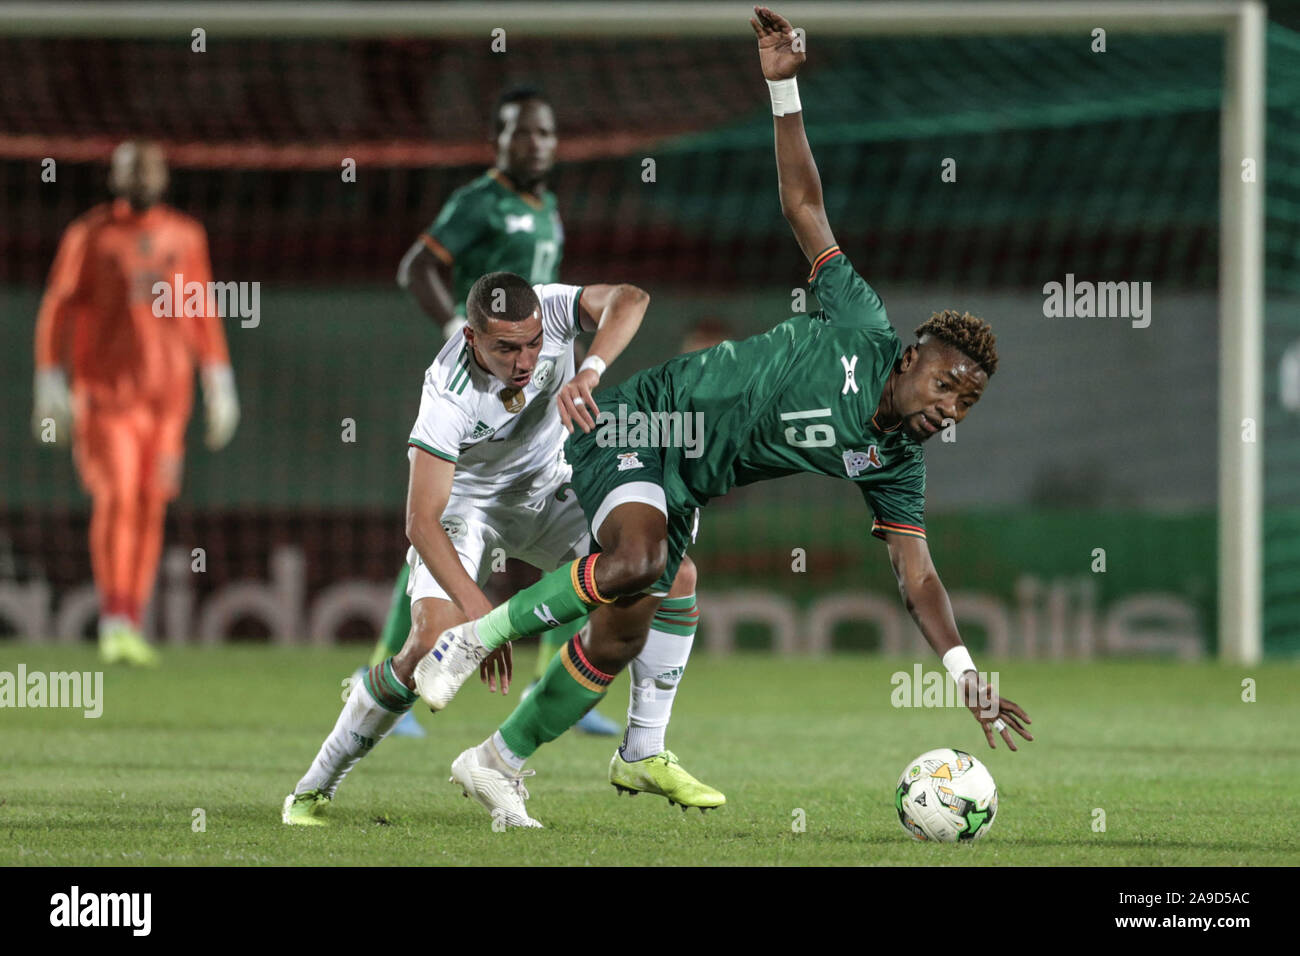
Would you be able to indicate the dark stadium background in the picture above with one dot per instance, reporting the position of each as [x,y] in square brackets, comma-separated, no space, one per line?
[1092,435]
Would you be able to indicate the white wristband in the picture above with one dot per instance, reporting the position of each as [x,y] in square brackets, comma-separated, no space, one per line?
[595,363]
[785,96]
[958,661]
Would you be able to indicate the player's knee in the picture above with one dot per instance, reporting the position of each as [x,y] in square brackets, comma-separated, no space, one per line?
[635,566]
[153,501]
[116,501]
[620,655]
[632,647]
[684,582]
[612,650]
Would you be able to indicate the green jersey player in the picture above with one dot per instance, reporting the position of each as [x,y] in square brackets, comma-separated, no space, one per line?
[506,220]
[834,393]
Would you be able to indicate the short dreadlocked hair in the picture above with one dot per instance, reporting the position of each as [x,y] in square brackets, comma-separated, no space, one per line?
[971,336]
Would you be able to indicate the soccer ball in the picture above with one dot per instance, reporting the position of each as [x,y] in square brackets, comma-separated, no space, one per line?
[946,795]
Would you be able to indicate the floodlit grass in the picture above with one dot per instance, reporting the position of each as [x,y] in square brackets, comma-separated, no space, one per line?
[1186,772]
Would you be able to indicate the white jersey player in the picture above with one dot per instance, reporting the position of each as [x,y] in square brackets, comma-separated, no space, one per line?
[488,481]
[506,442]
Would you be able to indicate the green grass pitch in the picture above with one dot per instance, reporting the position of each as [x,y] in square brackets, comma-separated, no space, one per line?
[1185,771]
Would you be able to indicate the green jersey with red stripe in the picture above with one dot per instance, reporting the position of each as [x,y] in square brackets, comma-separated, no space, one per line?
[799,398]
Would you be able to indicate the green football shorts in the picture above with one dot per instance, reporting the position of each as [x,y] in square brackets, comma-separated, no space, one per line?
[607,476]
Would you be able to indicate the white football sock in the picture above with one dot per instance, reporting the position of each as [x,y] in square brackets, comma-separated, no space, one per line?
[361,725]
[497,753]
[656,672]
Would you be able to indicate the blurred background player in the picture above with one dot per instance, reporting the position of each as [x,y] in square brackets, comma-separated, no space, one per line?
[504,221]
[132,374]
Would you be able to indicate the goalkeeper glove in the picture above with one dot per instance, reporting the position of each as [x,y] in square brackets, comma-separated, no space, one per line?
[220,404]
[50,402]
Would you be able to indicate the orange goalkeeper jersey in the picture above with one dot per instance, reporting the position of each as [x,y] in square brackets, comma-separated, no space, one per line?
[99,314]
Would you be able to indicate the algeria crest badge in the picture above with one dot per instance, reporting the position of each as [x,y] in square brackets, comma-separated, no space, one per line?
[542,374]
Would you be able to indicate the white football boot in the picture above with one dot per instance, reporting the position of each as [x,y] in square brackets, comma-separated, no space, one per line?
[501,792]
[443,670]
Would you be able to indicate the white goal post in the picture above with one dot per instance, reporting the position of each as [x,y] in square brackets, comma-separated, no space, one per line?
[1241,258]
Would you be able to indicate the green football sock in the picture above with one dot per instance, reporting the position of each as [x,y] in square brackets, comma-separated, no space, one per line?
[549,644]
[398,623]
[570,688]
[559,598]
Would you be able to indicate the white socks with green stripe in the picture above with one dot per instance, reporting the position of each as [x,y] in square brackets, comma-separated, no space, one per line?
[361,725]
[655,673]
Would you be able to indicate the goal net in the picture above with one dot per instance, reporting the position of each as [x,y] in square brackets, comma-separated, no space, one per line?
[1105,498]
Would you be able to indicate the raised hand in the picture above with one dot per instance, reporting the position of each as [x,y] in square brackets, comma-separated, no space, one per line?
[776,53]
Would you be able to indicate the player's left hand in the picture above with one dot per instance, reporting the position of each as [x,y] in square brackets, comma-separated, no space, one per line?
[498,666]
[776,53]
[995,714]
[575,402]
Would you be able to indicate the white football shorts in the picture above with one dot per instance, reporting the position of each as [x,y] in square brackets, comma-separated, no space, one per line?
[545,529]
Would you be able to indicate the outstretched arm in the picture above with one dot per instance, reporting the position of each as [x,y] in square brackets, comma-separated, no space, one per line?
[923,593]
[927,601]
[798,183]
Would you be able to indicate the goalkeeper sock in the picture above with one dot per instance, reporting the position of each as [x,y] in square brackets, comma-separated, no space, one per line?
[551,641]
[561,597]
[377,702]
[397,626]
[570,688]
[656,672]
